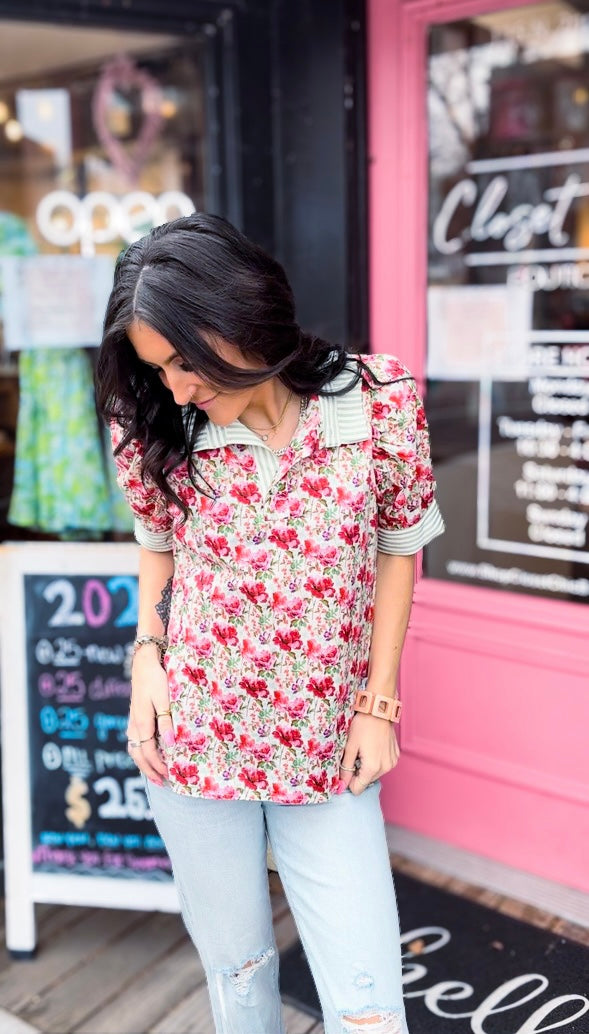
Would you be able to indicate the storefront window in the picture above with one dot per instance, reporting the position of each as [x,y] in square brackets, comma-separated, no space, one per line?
[508,307]
[102,136]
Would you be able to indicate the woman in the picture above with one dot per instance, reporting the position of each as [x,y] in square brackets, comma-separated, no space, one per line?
[281,489]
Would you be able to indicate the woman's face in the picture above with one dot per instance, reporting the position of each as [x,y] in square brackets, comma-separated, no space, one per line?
[185,384]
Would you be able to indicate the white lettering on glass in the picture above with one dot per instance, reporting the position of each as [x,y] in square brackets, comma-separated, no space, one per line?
[100,218]
[516,227]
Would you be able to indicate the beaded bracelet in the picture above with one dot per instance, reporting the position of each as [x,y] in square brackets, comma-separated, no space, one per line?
[161,641]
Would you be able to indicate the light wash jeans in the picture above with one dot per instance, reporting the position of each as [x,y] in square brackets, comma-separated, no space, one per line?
[334,866]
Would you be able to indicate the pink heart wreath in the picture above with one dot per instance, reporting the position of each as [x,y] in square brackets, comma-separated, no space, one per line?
[122,72]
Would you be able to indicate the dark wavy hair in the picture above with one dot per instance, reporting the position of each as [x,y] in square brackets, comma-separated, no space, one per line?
[193,279]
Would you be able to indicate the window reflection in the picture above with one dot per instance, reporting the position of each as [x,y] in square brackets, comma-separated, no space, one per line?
[508,310]
[102,136]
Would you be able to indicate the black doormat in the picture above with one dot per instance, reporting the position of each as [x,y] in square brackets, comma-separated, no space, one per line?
[500,975]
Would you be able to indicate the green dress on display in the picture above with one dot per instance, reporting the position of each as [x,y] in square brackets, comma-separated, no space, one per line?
[60,482]
[63,482]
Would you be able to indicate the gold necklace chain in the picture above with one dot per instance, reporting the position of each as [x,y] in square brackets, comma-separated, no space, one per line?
[302,409]
[264,432]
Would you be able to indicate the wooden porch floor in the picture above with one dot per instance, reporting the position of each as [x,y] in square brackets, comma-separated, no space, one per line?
[104,971]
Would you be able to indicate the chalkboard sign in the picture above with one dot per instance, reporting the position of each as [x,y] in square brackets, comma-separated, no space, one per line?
[90,812]
[77,824]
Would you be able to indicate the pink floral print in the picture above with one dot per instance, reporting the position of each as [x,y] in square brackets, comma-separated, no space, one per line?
[270,625]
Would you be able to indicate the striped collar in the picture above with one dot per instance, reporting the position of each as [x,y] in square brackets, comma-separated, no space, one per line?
[343,420]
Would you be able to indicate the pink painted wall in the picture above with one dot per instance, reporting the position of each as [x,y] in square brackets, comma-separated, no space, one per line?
[495,686]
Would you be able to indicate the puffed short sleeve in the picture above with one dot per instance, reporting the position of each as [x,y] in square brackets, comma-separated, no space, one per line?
[153,522]
[408,515]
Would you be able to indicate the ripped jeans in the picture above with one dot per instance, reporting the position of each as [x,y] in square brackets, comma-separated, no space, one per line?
[334,866]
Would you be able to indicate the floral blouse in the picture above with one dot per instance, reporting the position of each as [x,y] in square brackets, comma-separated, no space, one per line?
[274,577]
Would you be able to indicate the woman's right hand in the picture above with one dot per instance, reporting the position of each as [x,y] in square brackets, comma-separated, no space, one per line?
[149,697]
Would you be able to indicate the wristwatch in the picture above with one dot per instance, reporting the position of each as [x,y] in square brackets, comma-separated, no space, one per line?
[378,705]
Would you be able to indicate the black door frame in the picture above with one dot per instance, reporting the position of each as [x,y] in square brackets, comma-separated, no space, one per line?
[261,91]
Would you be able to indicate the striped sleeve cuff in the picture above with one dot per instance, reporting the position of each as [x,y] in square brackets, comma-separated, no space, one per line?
[158,541]
[408,541]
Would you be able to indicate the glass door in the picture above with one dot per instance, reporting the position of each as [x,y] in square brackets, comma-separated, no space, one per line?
[508,309]
[103,135]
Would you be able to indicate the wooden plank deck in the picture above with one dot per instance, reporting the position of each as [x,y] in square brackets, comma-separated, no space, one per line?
[106,971]
[116,971]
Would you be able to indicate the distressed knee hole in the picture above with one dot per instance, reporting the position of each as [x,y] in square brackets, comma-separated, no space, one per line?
[363,980]
[241,978]
[376,1023]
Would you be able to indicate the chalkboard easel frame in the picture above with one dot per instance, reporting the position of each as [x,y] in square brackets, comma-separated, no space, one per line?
[25,887]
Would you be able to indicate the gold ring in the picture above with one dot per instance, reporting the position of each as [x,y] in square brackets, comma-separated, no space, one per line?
[163,714]
[344,769]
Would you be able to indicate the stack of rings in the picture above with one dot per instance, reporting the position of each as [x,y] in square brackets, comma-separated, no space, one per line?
[137,743]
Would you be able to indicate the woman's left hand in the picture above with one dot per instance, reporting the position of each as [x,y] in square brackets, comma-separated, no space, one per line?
[372,748]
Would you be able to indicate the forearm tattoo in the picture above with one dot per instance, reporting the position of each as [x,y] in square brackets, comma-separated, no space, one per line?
[163,607]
